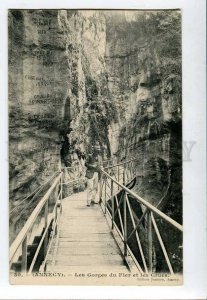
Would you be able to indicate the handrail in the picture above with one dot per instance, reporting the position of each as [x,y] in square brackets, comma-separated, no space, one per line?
[40,189]
[22,237]
[74,180]
[34,193]
[146,203]
[120,164]
[72,168]
[107,184]
[22,234]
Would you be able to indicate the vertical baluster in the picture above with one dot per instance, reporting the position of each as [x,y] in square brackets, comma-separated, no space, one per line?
[24,256]
[56,205]
[46,223]
[124,176]
[56,208]
[125,225]
[105,196]
[56,214]
[118,176]
[133,168]
[61,188]
[61,192]
[126,173]
[100,187]
[131,172]
[112,203]
[149,238]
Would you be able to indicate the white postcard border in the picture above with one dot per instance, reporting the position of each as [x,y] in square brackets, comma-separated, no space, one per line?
[194,171]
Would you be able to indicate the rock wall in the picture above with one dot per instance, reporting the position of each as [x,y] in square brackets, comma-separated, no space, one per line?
[78,78]
[143,59]
[57,87]
[144,65]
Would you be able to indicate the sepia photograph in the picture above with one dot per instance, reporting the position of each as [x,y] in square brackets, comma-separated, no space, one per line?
[95,147]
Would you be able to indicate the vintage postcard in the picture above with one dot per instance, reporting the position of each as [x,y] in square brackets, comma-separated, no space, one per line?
[95,147]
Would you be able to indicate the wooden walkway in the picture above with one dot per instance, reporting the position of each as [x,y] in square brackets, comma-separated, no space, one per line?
[84,241]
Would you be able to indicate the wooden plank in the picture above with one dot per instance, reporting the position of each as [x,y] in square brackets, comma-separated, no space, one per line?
[85,231]
[68,251]
[86,269]
[80,244]
[85,211]
[85,243]
[87,222]
[83,260]
[93,219]
[87,238]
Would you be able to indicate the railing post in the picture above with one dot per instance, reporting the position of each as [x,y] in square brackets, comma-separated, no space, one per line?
[112,203]
[56,216]
[24,256]
[126,173]
[61,192]
[61,187]
[125,225]
[124,176]
[100,187]
[149,238]
[131,172]
[118,176]
[46,223]
[56,208]
[134,168]
[105,197]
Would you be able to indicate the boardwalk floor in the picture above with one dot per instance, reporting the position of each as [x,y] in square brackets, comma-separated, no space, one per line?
[84,241]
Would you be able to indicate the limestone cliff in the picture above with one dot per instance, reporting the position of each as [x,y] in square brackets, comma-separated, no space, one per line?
[143,58]
[57,88]
[77,78]
[56,76]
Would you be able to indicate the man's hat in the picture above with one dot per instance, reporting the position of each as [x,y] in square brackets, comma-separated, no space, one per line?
[97,148]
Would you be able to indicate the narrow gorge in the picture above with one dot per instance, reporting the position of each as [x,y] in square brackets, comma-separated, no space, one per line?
[79,78]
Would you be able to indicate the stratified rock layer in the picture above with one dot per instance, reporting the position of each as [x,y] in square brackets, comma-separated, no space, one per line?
[56,76]
[144,65]
[143,59]
[81,78]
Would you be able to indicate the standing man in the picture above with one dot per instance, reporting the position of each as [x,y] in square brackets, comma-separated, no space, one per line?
[93,164]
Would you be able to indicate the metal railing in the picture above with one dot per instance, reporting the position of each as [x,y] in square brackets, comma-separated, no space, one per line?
[45,214]
[115,198]
[40,221]
[115,201]
[74,174]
